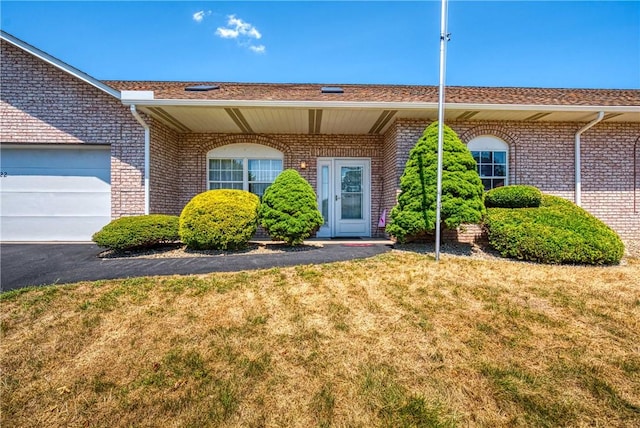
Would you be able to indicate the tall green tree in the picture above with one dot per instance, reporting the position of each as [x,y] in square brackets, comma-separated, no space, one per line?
[462,190]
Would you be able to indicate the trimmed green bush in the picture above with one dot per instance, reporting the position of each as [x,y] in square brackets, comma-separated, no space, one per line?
[220,220]
[462,189]
[289,209]
[135,232]
[515,196]
[558,232]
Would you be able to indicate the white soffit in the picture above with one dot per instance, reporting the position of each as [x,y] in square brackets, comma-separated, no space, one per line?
[200,119]
[277,120]
[352,121]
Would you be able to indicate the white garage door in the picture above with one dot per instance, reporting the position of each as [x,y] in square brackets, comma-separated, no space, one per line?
[54,194]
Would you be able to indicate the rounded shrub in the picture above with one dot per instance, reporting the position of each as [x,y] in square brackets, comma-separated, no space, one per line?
[557,232]
[514,196]
[135,232]
[289,209]
[462,189]
[219,219]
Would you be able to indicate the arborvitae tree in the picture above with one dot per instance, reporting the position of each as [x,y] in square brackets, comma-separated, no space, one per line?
[462,189]
[289,209]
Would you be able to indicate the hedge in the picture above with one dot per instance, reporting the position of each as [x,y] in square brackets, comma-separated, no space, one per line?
[219,219]
[138,232]
[515,196]
[558,232]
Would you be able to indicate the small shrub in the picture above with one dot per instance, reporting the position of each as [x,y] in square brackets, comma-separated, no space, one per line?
[462,189]
[558,232]
[219,219]
[289,210]
[142,231]
[515,196]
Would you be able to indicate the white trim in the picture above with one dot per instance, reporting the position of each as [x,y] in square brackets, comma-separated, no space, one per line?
[57,146]
[491,143]
[333,163]
[578,178]
[246,152]
[249,150]
[136,95]
[146,156]
[375,105]
[59,64]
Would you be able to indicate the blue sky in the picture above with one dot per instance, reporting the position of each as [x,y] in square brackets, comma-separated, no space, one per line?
[593,44]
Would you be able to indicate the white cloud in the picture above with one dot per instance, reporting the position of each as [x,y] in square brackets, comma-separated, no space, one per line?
[227,33]
[199,16]
[243,27]
[241,31]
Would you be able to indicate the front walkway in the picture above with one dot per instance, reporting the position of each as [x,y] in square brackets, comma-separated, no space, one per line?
[54,263]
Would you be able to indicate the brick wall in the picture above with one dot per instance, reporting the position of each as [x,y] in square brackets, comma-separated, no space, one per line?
[542,154]
[164,169]
[41,104]
[193,150]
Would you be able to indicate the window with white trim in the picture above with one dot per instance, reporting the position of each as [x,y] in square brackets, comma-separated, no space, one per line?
[492,158]
[251,167]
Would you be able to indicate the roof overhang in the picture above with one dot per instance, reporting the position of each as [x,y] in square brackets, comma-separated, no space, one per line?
[345,117]
[59,64]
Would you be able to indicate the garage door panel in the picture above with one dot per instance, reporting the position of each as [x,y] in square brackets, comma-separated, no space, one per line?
[99,173]
[54,194]
[55,158]
[39,229]
[14,182]
[45,204]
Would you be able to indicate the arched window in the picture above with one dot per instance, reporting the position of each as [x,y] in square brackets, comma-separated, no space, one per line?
[491,155]
[244,166]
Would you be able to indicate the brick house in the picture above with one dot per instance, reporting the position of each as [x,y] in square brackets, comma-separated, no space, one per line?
[77,152]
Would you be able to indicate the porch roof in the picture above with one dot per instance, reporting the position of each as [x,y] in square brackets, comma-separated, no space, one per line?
[360,109]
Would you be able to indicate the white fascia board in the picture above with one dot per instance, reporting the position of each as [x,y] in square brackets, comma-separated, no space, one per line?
[136,96]
[59,64]
[374,105]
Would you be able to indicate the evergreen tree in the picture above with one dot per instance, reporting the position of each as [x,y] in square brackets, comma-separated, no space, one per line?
[462,189]
[289,209]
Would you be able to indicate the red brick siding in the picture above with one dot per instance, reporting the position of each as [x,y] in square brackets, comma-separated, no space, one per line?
[41,104]
[296,149]
[164,169]
[392,168]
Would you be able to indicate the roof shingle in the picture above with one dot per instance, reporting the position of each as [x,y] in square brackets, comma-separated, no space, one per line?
[385,93]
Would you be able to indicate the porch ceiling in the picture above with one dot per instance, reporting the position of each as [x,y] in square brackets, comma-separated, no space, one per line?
[316,119]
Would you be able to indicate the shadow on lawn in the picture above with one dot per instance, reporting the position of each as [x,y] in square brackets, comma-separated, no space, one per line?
[450,248]
[179,250]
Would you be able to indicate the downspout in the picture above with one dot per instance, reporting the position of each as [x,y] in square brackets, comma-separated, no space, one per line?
[578,179]
[146,156]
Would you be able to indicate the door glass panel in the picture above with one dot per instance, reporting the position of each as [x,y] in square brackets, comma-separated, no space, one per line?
[324,194]
[351,192]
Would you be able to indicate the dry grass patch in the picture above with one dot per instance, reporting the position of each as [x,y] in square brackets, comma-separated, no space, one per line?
[396,340]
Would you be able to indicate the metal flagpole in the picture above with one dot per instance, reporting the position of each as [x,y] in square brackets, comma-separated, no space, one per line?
[444,38]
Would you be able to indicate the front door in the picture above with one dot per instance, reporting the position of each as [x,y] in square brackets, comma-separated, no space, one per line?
[344,197]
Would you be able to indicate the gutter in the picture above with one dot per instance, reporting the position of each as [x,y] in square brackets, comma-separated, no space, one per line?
[578,177]
[144,124]
[129,99]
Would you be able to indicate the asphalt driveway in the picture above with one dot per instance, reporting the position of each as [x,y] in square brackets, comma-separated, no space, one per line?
[23,265]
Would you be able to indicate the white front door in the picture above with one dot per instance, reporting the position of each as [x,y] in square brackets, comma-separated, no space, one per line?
[344,197]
